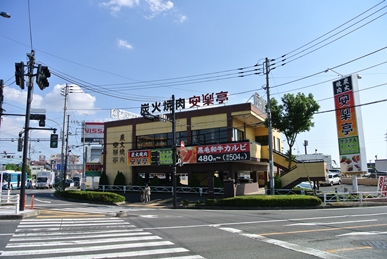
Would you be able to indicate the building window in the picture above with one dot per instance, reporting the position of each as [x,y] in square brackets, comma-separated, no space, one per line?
[209,136]
[237,135]
[160,140]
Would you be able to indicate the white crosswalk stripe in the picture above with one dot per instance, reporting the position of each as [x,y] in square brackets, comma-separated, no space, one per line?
[88,238]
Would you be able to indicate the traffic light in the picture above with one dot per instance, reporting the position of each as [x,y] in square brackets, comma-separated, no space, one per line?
[20,144]
[155,158]
[19,74]
[40,117]
[41,77]
[54,141]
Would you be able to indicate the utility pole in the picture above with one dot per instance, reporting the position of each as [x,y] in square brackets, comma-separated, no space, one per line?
[64,92]
[30,75]
[174,151]
[269,127]
[67,155]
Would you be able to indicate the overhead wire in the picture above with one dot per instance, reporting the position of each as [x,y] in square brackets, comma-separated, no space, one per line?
[329,32]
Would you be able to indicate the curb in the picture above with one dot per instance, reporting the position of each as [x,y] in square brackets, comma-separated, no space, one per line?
[21,215]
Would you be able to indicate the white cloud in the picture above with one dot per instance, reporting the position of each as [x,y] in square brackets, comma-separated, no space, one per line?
[158,6]
[116,5]
[155,7]
[124,44]
[181,18]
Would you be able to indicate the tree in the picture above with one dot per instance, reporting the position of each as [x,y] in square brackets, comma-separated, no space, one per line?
[293,116]
[120,179]
[103,179]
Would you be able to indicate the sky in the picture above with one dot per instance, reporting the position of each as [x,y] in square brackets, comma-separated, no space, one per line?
[119,54]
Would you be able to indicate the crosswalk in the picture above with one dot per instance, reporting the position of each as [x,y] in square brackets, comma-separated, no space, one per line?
[88,238]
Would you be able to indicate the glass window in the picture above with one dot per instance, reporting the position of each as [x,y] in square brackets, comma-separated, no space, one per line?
[209,136]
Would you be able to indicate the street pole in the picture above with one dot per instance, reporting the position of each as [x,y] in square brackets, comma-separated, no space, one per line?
[30,75]
[269,127]
[174,151]
[67,150]
[63,139]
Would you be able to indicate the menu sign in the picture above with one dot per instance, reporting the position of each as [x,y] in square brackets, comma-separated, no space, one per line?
[347,125]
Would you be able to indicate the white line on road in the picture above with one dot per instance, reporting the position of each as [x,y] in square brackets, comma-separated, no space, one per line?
[82,242]
[39,200]
[329,223]
[83,235]
[132,254]
[287,245]
[77,249]
[371,233]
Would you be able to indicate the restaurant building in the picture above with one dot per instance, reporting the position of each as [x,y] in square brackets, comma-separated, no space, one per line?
[224,141]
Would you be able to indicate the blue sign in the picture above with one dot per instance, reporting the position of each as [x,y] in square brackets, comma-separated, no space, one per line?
[58,167]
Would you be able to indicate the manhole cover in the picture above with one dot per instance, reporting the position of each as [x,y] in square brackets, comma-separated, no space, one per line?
[375,244]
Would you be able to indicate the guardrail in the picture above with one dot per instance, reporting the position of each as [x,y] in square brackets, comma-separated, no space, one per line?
[162,189]
[10,200]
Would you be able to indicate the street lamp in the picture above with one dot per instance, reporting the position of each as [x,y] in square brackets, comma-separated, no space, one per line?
[5,14]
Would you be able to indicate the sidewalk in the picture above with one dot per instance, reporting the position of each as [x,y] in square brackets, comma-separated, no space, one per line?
[8,212]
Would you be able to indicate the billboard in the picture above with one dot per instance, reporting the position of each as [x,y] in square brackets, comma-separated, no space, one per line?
[349,125]
[228,152]
[93,132]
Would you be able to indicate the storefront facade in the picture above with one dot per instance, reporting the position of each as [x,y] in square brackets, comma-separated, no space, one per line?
[223,141]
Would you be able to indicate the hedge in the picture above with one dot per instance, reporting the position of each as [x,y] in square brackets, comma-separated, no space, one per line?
[271,201]
[105,197]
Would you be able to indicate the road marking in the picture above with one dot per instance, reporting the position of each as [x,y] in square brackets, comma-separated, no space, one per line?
[39,200]
[318,230]
[371,233]
[349,249]
[101,238]
[286,245]
[329,223]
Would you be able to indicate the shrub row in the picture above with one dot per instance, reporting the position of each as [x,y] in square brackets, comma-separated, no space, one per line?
[267,201]
[106,197]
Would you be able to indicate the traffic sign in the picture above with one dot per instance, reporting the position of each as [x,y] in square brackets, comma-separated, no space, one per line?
[58,167]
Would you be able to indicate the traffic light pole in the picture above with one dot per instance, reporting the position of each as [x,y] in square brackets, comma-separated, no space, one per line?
[30,75]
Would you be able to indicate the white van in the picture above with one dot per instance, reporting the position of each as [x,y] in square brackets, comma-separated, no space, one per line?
[332,179]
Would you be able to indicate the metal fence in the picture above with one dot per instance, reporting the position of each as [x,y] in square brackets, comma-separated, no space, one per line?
[354,197]
[161,189]
[10,200]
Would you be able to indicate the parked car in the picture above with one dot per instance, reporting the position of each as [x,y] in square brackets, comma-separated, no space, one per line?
[69,183]
[332,179]
[305,185]
[377,174]
[335,171]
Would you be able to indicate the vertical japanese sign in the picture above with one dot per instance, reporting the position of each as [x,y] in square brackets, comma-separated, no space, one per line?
[382,185]
[349,125]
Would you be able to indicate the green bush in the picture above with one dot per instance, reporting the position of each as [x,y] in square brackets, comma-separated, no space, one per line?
[120,179]
[271,201]
[185,202]
[211,202]
[103,180]
[105,197]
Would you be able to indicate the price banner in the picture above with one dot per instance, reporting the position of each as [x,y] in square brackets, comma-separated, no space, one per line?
[229,157]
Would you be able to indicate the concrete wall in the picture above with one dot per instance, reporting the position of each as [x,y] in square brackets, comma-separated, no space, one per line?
[361,181]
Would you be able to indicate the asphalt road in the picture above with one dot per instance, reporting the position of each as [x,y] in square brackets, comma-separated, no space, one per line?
[316,233]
